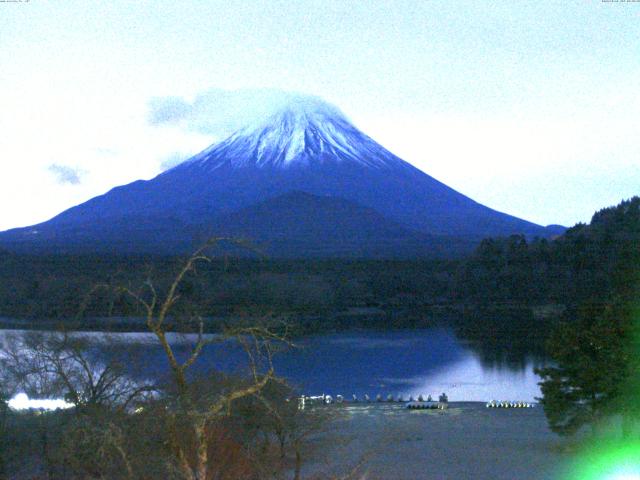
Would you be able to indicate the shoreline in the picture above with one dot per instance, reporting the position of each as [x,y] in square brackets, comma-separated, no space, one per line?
[349,318]
[467,440]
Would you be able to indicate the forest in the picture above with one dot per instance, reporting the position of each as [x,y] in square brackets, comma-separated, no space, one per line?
[588,263]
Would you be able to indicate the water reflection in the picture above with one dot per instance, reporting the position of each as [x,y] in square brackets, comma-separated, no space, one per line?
[469,380]
[409,362]
[507,356]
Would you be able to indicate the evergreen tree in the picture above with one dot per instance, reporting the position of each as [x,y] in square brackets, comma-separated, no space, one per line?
[595,366]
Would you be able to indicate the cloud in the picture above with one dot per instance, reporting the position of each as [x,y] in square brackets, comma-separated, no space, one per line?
[167,110]
[216,112]
[65,174]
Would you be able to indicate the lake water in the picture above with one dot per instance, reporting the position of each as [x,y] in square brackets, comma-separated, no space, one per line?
[407,362]
[426,362]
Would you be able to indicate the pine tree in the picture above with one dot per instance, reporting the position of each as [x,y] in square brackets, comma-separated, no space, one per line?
[594,366]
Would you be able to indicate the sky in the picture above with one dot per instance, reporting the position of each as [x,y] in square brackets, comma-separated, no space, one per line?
[531,108]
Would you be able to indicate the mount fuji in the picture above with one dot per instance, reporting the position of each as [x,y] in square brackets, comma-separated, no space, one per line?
[301,182]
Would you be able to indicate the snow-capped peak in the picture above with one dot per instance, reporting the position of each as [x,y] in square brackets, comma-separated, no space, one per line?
[300,130]
[302,110]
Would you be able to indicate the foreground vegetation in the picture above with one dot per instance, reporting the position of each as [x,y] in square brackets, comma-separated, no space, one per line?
[180,424]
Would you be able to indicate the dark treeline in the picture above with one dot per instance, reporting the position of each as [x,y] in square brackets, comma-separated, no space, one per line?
[592,268]
[54,287]
[587,263]
[592,377]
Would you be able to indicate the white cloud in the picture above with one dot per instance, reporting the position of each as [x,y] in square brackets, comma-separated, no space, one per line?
[168,110]
[110,142]
[216,112]
[65,174]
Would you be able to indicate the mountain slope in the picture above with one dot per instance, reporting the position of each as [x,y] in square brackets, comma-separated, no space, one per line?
[299,224]
[306,146]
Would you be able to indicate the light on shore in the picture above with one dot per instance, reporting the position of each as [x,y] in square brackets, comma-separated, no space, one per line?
[22,402]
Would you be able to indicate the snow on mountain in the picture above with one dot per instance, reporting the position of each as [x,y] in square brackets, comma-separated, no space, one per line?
[301,130]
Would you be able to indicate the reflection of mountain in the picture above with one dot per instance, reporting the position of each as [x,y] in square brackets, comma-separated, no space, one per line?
[362,200]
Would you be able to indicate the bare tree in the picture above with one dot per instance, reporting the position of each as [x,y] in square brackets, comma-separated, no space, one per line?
[197,416]
[63,365]
[88,441]
[194,426]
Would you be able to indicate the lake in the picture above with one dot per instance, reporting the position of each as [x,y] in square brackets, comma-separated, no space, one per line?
[403,362]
